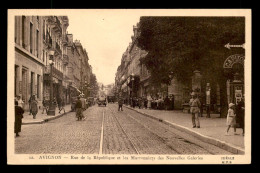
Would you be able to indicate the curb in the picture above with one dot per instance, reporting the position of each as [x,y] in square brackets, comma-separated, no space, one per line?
[45,120]
[221,144]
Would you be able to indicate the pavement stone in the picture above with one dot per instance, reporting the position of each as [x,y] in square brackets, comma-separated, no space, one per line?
[212,129]
[42,118]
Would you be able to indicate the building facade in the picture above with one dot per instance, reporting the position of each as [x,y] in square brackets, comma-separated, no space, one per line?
[35,38]
[29,58]
[54,39]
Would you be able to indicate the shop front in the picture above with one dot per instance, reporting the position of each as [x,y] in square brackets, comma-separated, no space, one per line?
[234,68]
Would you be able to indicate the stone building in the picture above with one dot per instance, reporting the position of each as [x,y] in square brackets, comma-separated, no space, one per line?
[55,39]
[73,67]
[29,57]
[129,73]
[35,38]
[84,68]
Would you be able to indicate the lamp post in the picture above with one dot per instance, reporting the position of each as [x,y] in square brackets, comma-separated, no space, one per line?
[51,110]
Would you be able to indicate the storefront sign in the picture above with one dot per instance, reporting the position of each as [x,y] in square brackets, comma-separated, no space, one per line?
[238,95]
[231,60]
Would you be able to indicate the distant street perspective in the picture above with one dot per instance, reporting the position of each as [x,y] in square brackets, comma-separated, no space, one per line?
[109,131]
[178,86]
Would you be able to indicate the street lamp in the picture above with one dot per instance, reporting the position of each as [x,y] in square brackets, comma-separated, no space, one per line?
[51,110]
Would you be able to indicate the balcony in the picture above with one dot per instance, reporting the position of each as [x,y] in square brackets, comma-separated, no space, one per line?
[65,39]
[48,40]
[57,48]
[55,72]
[65,59]
[57,25]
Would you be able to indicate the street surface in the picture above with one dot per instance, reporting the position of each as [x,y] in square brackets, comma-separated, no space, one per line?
[108,131]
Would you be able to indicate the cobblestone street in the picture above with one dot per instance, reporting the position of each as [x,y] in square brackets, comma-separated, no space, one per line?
[107,131]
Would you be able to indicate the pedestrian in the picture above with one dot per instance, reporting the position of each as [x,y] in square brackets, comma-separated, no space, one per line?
[120,103]
[240,112]
[134,102]
[59,103]
[34,106]
[231,118]
[195,110]
[140,102]
[78,107]
[166,103]
[18,119]
[20,101]
[44,105]
[62,104]
[145,102]
[30,101]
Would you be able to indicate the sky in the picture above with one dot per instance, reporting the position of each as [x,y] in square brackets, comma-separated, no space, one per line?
[105,35]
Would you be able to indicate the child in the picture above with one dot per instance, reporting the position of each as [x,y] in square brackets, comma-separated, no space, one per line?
[231,118]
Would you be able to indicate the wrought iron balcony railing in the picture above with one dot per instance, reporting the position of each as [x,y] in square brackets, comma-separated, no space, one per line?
[57,48]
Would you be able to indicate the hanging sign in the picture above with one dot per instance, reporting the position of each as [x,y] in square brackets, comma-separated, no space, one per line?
[231,60]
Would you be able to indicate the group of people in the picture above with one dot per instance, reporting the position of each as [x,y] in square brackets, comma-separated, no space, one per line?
[235,116]
[150,102]
[33,104]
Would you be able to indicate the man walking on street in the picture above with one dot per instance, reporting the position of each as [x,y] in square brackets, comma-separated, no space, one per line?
[195,110]
[78,107]
[30,105]
[44,106]
[61,107]
[120,103]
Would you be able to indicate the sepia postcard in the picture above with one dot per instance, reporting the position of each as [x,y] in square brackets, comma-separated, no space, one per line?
[129,86]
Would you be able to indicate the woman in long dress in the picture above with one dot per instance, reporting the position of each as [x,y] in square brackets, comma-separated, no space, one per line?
[34,107]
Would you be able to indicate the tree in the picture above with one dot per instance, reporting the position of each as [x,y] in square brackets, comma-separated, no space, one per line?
[177,46]
[94,84]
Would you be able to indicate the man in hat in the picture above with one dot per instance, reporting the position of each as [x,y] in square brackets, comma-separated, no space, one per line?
[195,109]
[78,107]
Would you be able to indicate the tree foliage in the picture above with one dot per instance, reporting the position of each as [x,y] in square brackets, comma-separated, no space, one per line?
[94,84]
[177,46]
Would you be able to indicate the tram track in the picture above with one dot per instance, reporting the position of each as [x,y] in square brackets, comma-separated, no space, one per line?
[121,128]
[178,136]
[144,128]
[179,142]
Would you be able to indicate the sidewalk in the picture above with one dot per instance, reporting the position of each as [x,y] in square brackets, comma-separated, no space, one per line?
[41,118]
[212,130]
